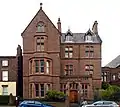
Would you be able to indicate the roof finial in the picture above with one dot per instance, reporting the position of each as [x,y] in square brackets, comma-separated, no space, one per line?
[59,19]
[41,5]
[68,27]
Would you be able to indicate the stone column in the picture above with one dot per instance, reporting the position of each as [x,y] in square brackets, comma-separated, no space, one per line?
[67,101]
[33,90]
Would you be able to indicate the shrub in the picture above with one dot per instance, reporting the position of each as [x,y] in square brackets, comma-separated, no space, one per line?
[55,95]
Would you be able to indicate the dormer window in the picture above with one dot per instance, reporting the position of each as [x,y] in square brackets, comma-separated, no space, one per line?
[69,36]
[88,36]
[40,27]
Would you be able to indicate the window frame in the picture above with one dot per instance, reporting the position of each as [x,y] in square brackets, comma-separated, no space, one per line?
[3,92]
[89,51]
[5,76]
[68,52]
[40,44]
[5,63]
[40,27]
[68,70]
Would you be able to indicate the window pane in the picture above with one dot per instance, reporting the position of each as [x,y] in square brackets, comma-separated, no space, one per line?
[70,49]
[41,66]
[87,48]
[5,63]
[36,66]
[42,40]
[91,67]
[42,90]
[5,75]
[40,27]
[38,47]
[71,66]
[113,77]
[88,38]
[86,67]
[38,40]
[47,87]
[91,48]
[30,90]
[42,47]
[91,53]
[70,54]
[37,89]
[86,53]
[66,54]
[66,49]
[5,90]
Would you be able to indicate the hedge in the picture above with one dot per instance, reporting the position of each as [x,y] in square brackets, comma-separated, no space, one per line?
[4,100]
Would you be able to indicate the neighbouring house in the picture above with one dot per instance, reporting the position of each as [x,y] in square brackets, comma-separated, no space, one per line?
[53,60]
[11,74]
[8,75]
[111,72]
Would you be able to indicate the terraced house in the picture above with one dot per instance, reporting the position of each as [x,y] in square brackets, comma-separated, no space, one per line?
[11,74]
[53,60]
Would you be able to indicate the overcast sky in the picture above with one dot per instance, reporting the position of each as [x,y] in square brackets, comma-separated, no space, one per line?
[78,15]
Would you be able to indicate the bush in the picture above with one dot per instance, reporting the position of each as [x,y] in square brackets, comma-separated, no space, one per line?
[111,93]
[53,95]
[105,85]
[4,100]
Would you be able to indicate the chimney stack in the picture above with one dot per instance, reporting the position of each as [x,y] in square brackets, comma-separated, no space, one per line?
[19,50]
[41,6]
[95,27]
[59,25]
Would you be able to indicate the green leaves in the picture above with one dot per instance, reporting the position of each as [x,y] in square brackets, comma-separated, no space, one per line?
[55,95]
[110,92]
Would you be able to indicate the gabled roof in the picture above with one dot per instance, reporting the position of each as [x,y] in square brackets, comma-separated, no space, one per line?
[114,63]
[40,10]
[89,32]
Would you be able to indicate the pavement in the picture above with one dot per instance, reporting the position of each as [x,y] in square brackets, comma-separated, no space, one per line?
[74,105]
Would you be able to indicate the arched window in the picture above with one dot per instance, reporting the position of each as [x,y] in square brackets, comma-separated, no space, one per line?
[40,27]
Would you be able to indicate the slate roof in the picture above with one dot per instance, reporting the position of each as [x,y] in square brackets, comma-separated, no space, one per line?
[80,38]
[114,63]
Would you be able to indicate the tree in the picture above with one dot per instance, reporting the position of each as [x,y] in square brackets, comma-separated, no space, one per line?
[110,92]
[105,85]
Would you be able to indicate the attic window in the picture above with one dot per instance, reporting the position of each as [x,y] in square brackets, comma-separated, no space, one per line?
[40,27]
[88,38]
[69,36]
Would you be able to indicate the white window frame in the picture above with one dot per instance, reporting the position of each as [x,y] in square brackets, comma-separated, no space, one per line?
[5,63]
[4,92]
[4,75]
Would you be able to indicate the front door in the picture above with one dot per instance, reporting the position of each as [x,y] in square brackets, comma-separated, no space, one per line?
[73,96]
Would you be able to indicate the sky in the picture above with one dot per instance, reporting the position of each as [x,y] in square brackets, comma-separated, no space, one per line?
[78,15]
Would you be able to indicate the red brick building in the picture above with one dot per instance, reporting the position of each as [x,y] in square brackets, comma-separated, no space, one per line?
[111,72]
[11,74]
[52,59]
